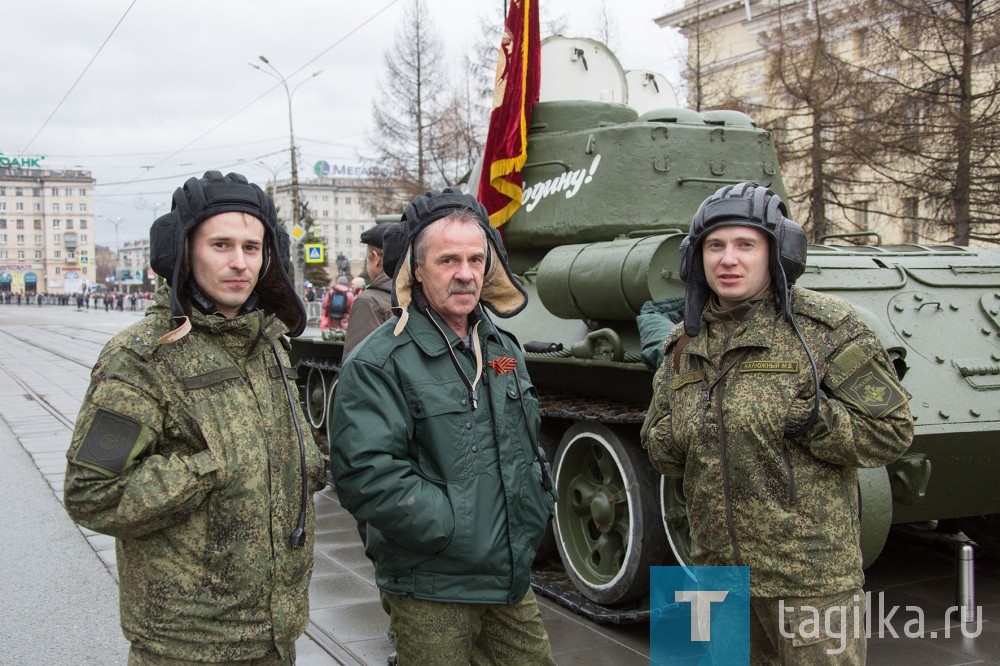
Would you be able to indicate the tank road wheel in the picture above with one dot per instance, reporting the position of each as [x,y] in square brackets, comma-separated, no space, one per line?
[606,522]
[315,397]
[673,511]
[875,497]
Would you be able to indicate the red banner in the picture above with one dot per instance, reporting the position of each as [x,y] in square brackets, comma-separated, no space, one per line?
[519,68]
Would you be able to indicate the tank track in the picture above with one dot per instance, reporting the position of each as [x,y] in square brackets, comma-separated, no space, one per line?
[580,408]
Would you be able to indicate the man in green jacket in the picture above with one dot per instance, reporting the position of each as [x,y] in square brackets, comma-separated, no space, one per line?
[767,400]
[436,447]
[191,449]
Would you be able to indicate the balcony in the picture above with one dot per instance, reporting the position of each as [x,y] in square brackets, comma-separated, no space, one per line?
[70,240]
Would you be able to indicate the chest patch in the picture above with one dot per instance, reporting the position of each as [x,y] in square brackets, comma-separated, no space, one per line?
[687,378]
[769,366]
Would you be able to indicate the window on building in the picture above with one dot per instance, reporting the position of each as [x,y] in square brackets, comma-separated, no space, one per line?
[68,191]
[69,208]
[55,191]
[347,200]
[38,254]
[38,239]
[56,224]
[83,208]
[3,224]
[326,213]
[911,220]
[83,224]
[3,205]
[3,238]
[19,224]
[20,254]
[83,238]
[38,224]
[36,207]
[3,191]
[3,254]
[19,206]
[36,191]
[57,238]
[55,208]
[20,239]
[58,270]
[347,228]
[57,254]
[82,191]
[84,270]
[18,191]
[861,215]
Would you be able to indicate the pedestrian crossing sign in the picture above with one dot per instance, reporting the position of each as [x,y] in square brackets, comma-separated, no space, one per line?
[84,260]
[314,253]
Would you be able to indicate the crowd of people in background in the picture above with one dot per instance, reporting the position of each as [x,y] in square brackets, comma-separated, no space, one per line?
[109,300]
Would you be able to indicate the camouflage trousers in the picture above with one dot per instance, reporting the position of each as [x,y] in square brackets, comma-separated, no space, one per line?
[449,634]
[138,657]
[809,630]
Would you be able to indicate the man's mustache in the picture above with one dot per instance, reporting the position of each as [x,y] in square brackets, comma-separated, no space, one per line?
[462,287]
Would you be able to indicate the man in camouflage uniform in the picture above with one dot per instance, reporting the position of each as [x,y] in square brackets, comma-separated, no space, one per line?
[768,444]
[189,447]
[435,446]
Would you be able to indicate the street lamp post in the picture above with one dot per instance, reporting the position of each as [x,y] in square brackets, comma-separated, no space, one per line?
[297,268]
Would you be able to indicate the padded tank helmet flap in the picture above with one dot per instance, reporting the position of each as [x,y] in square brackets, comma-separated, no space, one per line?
[196,201]
[501,292]
[751,205]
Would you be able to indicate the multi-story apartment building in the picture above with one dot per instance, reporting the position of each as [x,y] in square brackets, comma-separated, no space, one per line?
[46,229]
[133,272]
[337,206]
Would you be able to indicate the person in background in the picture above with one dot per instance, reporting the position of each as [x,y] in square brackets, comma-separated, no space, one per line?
[435,445]
[768,399]
[373,305]
[191,447]
[336,305]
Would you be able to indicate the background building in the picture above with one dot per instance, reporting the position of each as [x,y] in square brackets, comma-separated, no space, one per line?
[884,115]
[46,229]
[338,211]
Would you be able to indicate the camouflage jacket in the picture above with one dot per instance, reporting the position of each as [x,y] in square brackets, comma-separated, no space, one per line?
[450,486]
[725,419]
[187,453]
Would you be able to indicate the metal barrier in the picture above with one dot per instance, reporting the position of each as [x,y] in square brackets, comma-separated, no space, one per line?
[313,310]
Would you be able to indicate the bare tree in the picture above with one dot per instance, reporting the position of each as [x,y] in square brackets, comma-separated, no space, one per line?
[819,104]
[606,26]
[407,110]
[938,63]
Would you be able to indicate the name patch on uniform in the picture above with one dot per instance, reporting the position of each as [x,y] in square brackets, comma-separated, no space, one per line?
[769,366]
[687,378]
[109,441]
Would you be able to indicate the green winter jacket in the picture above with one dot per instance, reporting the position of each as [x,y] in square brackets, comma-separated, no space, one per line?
[725,419]
[186,452]
[451,491]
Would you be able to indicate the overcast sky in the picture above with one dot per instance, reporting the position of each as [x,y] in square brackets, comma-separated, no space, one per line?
[168,92]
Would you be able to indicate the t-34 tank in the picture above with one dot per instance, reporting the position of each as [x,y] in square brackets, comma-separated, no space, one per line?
[608,196]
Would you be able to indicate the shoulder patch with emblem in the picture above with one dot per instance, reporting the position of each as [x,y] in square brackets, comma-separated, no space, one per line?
[872,390]
[109,441]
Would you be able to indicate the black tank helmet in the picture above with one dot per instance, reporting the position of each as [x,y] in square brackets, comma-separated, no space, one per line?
[750,205]
[200,199]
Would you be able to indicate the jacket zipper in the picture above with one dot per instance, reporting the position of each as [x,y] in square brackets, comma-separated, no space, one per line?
[787,461]
[724,460]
